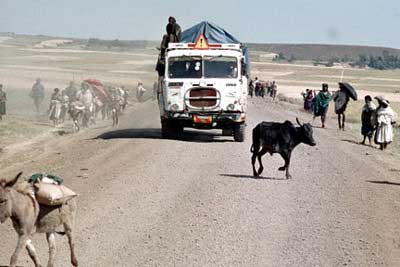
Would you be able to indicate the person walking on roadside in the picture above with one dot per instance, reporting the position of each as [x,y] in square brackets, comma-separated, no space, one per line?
[3,100]
[37,93]
[368,119]
[155,89]
[274,90]
[55,106]
[308,98]
[71,91]
[256,84]
[341,98]
[322,103]
[385,118]
[251,89]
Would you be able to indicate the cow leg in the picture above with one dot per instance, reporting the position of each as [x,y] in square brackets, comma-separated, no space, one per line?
[286,157]
[253,162]
[255,150]
[260,154]
[32,253]
[51,240]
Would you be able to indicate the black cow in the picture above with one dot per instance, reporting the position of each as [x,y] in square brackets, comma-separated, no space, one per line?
[282,138]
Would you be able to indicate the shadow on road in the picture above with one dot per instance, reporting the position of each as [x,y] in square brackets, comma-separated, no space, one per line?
[241,176]
[154,133]
[147,133]
[383,182]
[357,143]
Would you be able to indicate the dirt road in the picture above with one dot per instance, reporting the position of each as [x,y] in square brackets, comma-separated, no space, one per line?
[145,201]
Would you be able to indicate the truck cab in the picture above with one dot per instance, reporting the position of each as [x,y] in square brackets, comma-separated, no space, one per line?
[205,87]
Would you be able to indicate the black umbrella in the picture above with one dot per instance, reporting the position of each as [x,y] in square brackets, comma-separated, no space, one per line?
[349,90]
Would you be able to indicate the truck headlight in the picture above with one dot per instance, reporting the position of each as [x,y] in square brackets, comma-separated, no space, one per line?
[174,107]
[230,107]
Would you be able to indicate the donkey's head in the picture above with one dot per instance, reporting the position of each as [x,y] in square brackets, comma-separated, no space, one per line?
[5,199]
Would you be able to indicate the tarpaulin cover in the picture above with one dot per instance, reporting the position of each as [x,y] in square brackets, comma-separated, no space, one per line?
[213,34]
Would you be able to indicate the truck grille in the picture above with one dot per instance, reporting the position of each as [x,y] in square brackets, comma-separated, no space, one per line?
[203,97]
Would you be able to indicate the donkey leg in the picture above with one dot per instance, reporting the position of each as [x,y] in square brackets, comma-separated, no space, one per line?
[68,232]
[32,253]
[20,245]
[51,240]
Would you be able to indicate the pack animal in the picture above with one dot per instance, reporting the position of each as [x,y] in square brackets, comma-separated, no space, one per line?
[28,217]
[76,112]
[282,138]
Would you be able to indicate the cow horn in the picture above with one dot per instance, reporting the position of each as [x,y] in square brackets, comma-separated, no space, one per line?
[298,122]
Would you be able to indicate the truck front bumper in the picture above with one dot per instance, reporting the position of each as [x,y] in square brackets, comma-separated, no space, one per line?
[222,120]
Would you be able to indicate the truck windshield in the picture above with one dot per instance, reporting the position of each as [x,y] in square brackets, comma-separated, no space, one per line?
[220,67]
[185,67]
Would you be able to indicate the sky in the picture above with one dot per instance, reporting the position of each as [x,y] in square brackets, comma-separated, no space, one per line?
[353,22]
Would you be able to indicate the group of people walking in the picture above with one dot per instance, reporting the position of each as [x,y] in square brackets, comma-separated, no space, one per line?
[261,89]
[83,101]
[88,100]
[376,121]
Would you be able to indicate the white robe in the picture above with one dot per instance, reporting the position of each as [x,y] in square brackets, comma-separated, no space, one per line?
[384,131]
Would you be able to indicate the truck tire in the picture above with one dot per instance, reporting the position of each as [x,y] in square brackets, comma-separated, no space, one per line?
[238,132]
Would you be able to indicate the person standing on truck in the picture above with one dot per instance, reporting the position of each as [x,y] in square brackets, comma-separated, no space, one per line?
[175,35]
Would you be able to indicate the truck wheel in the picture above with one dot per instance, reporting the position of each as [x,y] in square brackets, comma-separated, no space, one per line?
[238,132]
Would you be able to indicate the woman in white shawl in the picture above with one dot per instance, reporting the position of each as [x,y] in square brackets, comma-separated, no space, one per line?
[385,117]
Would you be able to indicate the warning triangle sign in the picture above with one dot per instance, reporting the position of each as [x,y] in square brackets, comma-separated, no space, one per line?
[201,42]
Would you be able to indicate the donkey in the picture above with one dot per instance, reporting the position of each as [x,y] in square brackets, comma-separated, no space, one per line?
[28,217]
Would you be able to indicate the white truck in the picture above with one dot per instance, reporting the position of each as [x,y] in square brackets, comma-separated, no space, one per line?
[205,86]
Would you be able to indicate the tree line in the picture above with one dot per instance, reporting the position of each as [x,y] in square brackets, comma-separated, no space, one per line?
[386,61]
